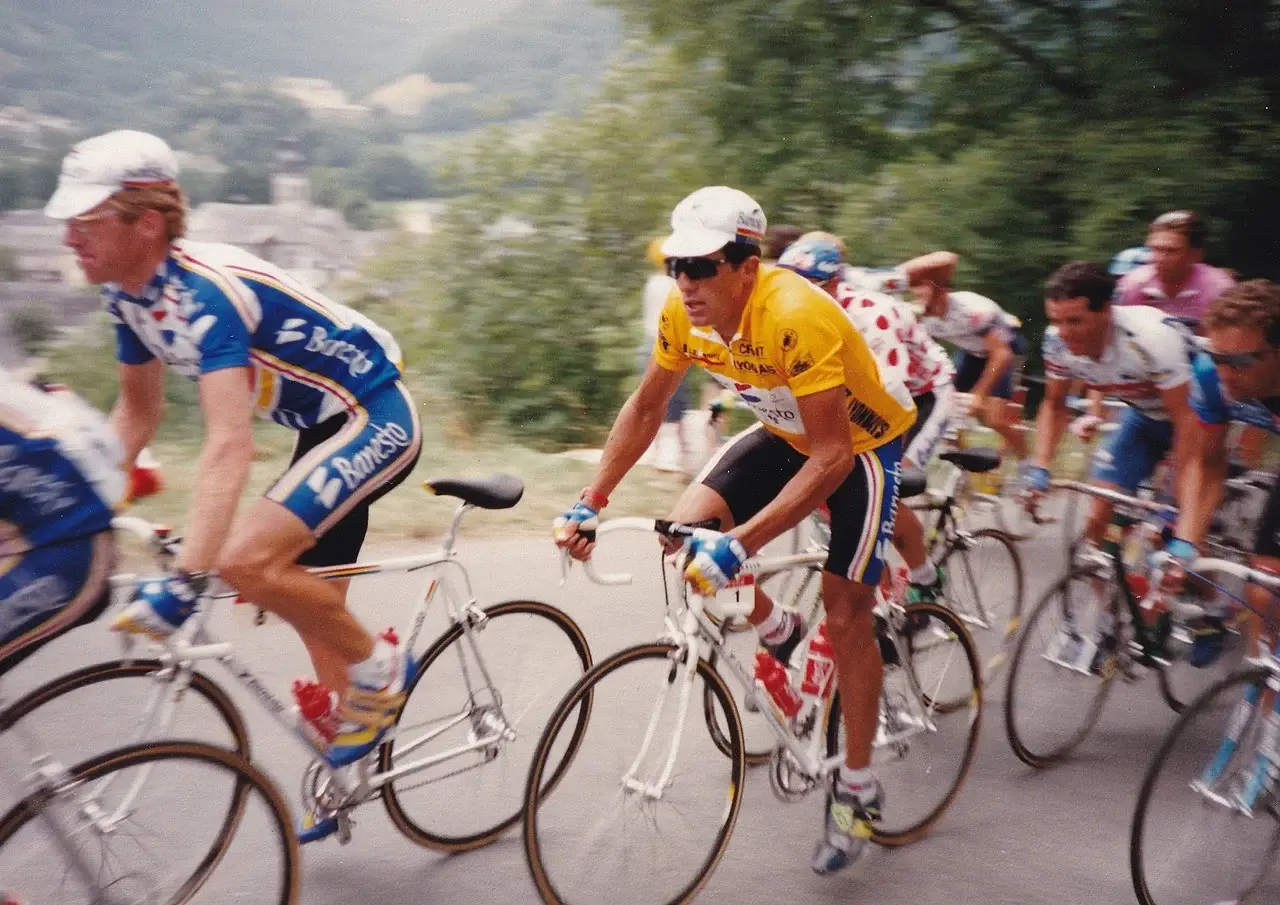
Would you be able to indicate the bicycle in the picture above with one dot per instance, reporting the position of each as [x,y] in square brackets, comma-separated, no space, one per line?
[1097,622]
[1210,792]
[466,721]
[641,758]
[107,821]
[991,614]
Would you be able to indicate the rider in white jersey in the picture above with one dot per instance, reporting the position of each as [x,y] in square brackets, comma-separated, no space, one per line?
[60,477]
[904,354]
[1135,354]
[989,340]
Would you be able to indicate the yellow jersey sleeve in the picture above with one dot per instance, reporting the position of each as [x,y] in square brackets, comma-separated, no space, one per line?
[673,325]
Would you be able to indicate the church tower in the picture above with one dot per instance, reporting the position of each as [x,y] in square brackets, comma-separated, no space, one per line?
[290,186]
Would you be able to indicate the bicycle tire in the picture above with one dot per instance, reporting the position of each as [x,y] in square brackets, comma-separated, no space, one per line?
[584,689]
[924,825]
[249,778]
[467,841]
[1021,749]
[1009,630]
[97,673]
[1141,887]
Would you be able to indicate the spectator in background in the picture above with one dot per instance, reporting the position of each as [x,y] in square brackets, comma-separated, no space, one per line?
[1176,281]
[656,289]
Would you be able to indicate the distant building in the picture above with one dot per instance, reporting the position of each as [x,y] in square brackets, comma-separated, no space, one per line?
[36,244]
[313,243]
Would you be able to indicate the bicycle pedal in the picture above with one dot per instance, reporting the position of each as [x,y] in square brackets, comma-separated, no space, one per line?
[345,824]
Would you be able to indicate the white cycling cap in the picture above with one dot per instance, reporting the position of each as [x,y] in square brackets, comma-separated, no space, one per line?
[710,219]
[98,167]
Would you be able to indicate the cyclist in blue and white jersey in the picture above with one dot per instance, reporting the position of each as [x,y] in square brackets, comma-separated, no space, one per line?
[60,478]
[989,339]
[1134,353]
[255,340]
[1236,380]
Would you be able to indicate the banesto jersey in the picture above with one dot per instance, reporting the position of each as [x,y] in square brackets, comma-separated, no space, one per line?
[794,340]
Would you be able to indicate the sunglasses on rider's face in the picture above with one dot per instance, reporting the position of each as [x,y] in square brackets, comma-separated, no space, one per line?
[694,268]
[1238,361]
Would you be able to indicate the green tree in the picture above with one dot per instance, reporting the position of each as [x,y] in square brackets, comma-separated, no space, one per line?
[390,176]
[538,329]
[246,184]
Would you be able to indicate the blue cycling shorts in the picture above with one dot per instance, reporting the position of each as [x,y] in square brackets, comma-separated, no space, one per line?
[342,465]
[50,590]
[1133,452]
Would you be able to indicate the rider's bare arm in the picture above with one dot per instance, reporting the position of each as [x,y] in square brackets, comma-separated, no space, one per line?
[999,355]
[1051,421]
[826,421]
[223,468]
[139,407]
[1096,407]
[1177,402]
[636,426]
[935,267]
[1201,485]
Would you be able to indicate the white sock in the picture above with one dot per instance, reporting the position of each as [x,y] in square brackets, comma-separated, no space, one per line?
[776,626]
[378,670]
[861,782]
[926,573]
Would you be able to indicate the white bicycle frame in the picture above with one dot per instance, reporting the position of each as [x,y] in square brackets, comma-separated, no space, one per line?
[195,643]
[693,631]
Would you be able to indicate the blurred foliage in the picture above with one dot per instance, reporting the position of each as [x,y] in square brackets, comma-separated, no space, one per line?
[31,326]
[525,303]
[8,264]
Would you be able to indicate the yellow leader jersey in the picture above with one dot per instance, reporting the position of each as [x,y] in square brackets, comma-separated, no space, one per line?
[793,340]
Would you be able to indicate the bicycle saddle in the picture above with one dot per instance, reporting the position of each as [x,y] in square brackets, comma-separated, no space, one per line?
[974,460]
[498,491]
[911,482]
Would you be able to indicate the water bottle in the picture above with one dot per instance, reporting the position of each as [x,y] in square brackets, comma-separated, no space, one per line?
[315,706]
[773,676]
[819,665]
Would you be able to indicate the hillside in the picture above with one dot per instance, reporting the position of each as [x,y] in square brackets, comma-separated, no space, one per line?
[93,62]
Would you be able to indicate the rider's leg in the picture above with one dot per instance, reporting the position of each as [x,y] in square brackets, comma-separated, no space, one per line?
[862,521]
[995,414]
[260,562]
[1130,457]
[859,670]
[740,480]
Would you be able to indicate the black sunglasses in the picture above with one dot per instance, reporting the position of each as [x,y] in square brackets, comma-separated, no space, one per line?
[1238,361]
[694,268]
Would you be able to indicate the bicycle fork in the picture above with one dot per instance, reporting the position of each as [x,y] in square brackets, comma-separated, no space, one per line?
[680,678]
[1257,778]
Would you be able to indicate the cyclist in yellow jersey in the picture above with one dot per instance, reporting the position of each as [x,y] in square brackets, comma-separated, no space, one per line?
[830,430]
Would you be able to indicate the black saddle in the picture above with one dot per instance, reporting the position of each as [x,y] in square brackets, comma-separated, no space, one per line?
[973,460]
[498,491]
[911,482]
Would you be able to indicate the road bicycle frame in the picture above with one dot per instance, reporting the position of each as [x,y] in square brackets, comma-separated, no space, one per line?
[194,643]
[693,625]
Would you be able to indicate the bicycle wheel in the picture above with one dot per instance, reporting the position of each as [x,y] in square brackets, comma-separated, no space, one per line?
[1058,679]
[922,753]
[58,711]
[1190,842]
[114,817]
[984,588]
[498,682]
[614,830]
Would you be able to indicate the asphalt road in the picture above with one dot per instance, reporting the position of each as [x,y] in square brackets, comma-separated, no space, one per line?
[1014,836]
